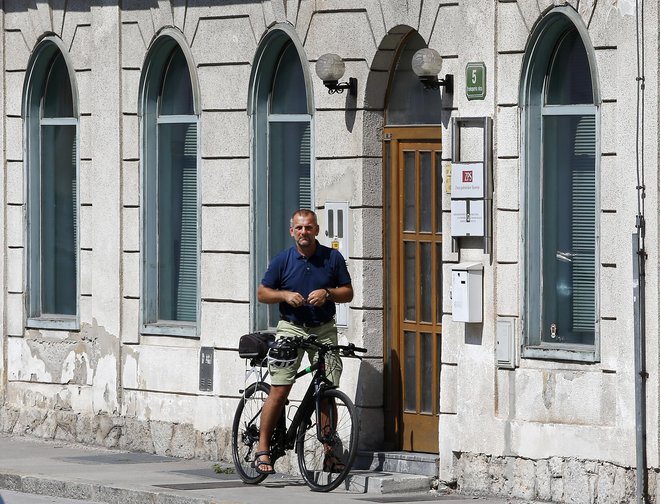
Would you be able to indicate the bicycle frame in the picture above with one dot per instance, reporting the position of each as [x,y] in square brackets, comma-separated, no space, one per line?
[285,439]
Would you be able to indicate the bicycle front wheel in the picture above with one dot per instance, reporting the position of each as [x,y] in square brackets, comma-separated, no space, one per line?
[327,445]
[245,432]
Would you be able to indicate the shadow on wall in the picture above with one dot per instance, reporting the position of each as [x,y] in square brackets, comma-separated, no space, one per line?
[351,111]
[368,399]
[474,334]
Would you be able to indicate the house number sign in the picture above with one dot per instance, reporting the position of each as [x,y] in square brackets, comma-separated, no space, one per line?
[475,81]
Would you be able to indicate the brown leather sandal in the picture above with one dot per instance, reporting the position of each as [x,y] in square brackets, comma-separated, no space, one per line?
[258,463]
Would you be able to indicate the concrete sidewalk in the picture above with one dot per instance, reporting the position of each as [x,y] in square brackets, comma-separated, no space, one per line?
[62,469]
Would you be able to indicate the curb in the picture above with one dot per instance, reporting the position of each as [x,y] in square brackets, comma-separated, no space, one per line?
[89,491]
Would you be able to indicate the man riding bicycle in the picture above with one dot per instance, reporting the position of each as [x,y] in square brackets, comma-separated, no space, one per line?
[306,280]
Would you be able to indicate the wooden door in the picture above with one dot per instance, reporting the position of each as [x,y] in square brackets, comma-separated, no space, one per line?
[414,284]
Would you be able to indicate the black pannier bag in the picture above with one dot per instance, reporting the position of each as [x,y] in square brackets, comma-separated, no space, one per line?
[255,345]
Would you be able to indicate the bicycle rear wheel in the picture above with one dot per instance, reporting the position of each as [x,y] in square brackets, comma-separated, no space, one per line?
[327,446]
[245,432]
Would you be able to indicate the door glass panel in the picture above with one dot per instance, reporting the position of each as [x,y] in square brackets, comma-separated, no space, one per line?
[58,219]
[427,371]
[290,185]
[426,192]
[289,94]
[409,223]
[569,229]
[410,259]
[410,378]
[177,222]
[569,79]
[176,96]
[426,281]
[438,283]
[58,100]
[438,193]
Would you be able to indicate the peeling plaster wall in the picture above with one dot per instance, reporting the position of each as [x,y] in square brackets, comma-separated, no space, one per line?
[85,360]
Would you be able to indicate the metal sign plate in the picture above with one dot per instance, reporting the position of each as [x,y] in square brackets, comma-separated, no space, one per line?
[475,81]
[206,369]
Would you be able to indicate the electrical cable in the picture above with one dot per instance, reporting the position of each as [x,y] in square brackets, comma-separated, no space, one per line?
[639,128]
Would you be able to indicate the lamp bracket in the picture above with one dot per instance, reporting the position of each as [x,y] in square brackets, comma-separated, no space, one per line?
[336,87]
[435,83]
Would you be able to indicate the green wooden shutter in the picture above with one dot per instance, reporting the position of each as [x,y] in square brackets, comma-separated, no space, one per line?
[305,181]
[584,226]
[186,303]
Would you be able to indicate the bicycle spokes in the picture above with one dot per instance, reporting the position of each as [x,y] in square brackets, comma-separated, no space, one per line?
[327,446]
[245,432]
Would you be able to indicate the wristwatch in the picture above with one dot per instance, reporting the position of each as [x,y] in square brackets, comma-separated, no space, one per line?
[327,293]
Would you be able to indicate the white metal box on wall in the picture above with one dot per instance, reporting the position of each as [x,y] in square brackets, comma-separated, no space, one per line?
[467,295]
[336,236]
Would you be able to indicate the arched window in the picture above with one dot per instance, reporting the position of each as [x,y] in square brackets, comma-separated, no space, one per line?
[561,191]
[170,212]
[51,131]
[282,155]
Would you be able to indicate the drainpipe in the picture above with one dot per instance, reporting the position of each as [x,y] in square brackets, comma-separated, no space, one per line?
[639,273]
[639,284]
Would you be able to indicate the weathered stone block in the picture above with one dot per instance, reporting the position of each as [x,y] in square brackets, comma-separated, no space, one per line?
[511,28]
[183,441]
[523,481]
[225,181]
[226,40]
[65,425]
[136,436]
[224,276]
[8,419]
[367,232]
[161,434]
[576,483]
[226,228]
[226,134]
[543,480]
[367,294]
[507,131]
[232,318]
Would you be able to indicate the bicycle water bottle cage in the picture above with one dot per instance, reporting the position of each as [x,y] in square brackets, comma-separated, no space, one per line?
[283,354]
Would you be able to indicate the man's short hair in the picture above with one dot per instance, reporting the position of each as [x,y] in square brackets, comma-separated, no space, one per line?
[303,212]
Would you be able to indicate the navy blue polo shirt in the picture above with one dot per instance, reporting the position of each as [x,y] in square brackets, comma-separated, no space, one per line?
[291,271]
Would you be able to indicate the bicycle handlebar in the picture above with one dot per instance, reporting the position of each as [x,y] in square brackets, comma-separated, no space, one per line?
[346,350]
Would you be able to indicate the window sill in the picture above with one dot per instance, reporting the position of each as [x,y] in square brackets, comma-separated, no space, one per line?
[54,322]
[576,353]
[170,328]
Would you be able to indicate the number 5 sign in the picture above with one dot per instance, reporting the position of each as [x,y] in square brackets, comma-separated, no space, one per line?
[475,81]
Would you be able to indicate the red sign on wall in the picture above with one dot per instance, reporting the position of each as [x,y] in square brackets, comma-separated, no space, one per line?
[467,176]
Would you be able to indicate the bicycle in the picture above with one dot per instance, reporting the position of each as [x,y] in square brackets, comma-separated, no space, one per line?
[314,430]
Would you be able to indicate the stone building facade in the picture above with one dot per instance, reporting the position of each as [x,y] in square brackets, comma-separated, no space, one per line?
[153,152]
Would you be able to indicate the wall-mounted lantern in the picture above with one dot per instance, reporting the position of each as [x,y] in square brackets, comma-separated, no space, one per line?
[426,63]
[330,68]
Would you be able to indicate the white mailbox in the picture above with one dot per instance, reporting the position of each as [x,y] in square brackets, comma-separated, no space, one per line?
[466,292]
